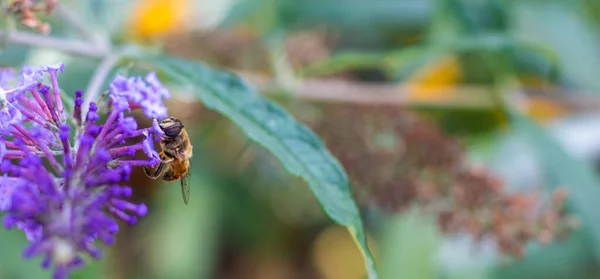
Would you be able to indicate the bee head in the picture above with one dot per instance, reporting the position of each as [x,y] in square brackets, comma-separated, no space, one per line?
[171,126]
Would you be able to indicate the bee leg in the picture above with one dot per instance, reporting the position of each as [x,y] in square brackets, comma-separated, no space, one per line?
[154,174]
[156,171]
[147,172]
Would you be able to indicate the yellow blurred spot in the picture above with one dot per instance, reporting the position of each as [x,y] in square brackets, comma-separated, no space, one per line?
[152,18]
[425,85]
[540,108]
[543,109]
[336,255]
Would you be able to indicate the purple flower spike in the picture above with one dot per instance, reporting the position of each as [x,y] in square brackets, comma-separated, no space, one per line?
[7,186]
[55,68]
[157,86]
[138,93]
[156,130]
[6,75]
[59,184]
[149,146]
[2,151]
[9,114]
[31,74]
[78,103]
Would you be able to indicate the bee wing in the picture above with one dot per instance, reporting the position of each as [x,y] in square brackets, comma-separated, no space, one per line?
[185,187]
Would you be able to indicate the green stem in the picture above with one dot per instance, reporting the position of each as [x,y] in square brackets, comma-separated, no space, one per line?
[79,26]
[94,87]
[61,44]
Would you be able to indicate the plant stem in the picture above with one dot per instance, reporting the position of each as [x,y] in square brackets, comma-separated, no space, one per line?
[60,44]
[75,47]
[87,49]
[80,28]
[93,90]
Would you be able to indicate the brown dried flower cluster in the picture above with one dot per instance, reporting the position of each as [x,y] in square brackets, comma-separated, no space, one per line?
[242,49]
[396,159]
[25,11]
[237,49]
[476,203]
[306,48]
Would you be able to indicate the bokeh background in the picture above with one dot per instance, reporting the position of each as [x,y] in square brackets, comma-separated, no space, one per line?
[407,94]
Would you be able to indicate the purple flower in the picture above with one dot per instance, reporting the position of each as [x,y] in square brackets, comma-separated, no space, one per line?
[2,151]
[61,184]
[7,186]
[149,146]
[136,92]
[9,114]
[156,129]
[6,75]
[31,75]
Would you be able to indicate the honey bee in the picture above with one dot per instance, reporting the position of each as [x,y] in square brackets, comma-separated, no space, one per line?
[175,155]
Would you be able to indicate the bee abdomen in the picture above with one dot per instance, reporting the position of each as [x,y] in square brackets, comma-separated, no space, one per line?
[170,176]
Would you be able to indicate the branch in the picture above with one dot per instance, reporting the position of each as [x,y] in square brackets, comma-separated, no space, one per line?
[93,90]
[79,26]
[477,97]
[60,44]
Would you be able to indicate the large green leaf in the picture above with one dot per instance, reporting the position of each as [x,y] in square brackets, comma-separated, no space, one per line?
[300,150]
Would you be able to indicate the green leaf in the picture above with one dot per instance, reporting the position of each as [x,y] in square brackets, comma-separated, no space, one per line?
[410,245]
[564,170]
[565,27]
[300,150]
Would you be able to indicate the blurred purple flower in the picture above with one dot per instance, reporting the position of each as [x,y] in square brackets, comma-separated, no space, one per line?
[63,190]
[148,95]
[6,75]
